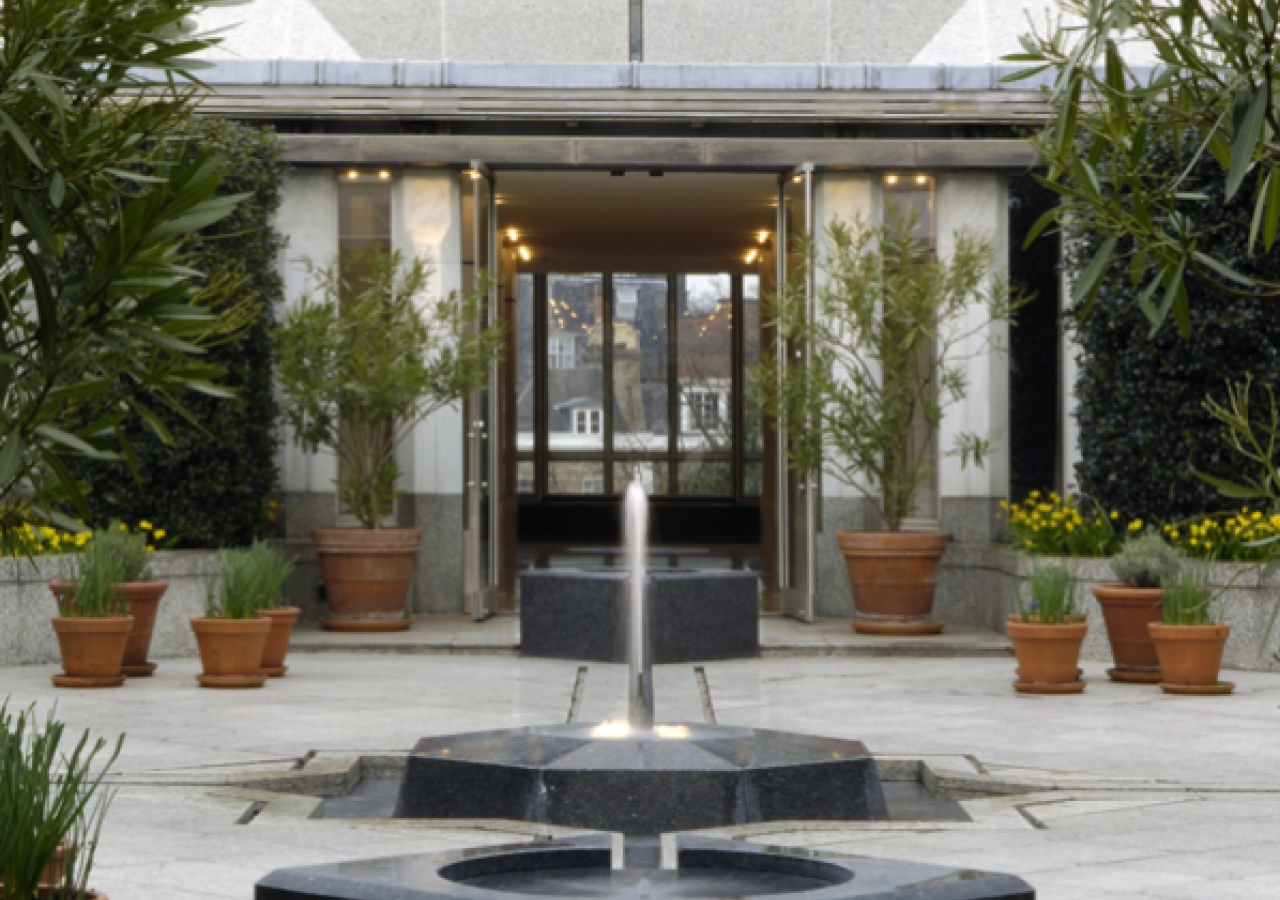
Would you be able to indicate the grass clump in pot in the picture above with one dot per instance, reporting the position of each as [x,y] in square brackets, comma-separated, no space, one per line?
[1188,600]
[129,547]
[98,572]
[1052,591]
[248,581]
[1146,561]
[51,797]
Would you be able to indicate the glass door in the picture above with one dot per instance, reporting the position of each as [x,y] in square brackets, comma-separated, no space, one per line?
[480,508]
[797,492]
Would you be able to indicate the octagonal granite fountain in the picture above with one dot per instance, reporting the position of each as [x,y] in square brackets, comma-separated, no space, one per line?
[641,783]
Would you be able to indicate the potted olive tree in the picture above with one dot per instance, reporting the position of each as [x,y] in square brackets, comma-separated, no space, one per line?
[360,366]
[1136,601]
[1047,632]
[93,623]
[890,331]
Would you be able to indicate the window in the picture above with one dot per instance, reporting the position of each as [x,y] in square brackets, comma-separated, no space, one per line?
[586,421]
[593,484]
[561,353]
[703,412]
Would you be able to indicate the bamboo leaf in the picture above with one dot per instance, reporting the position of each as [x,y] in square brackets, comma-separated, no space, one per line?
[1246,141]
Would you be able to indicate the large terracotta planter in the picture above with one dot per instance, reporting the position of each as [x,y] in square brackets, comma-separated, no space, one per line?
[893,576]
[1191,657]
[143,600]
[1048,656]
[1127,612]
[231,651]
[366,576]
[92,650]
[277,647]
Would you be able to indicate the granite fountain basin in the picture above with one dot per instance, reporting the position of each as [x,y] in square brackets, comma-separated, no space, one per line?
[592,866]
[640,780]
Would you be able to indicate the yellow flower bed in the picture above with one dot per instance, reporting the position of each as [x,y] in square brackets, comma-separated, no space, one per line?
[43,540]
[1227,538]
[1057,526]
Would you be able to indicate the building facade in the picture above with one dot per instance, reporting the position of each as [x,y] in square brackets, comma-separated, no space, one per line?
[632,173]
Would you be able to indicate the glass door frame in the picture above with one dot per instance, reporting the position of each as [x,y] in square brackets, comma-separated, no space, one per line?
[797,496]
[481,458]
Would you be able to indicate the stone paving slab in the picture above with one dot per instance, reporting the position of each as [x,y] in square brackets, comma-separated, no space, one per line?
[1121,793]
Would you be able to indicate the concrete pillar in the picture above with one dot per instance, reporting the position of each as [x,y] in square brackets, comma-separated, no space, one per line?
[427,222]
[970,496]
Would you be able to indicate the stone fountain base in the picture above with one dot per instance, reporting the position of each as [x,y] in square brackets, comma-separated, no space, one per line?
[641,781]
[589,867]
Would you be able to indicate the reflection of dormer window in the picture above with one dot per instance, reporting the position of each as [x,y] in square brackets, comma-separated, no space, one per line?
[703,411]
[593,484]
[625,308]
[586,421]
[561,353]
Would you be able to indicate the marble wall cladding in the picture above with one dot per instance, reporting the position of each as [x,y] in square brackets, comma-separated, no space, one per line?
[832,596]
[26,605]
[971,520]
[300,511]
[437,579]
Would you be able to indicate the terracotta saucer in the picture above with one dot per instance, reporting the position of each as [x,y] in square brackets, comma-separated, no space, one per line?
[1198,690]
[366,626]
[274,671]
[141,671]
[1018,672]
[75,681]
[1134,676]
[1048,687]
[898,628]
[232,681]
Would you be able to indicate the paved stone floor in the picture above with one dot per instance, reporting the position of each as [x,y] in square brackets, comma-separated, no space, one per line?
[1117,794]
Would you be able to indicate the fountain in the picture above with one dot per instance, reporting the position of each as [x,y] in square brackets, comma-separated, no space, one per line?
[643,783]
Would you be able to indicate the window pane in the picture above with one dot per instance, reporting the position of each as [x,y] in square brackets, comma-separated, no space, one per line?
[575,377]
[752,475]
[640,363]
[364,227]
[583,477]
[706,478]
[525,483]
[705,362]
[525,392]
[653,475]
[913,195]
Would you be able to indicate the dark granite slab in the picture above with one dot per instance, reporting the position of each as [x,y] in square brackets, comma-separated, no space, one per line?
[641,781]
[580,867]
[694,616]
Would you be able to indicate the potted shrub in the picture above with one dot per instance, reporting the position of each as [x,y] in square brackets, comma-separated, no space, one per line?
[889,334]
[92,624]
[232,635]
[1128,607]
[52,807]
[139,591]
[360,366]
[1191,637]
[267,572]
[1047,632]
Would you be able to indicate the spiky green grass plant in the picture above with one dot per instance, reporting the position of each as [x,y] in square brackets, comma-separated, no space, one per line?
[99,571]
[1052,591]
[248,581]
[1188,600]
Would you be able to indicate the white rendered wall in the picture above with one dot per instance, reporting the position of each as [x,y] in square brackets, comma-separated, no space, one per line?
[308,218]
[979,202]
[845,197]
[426,222]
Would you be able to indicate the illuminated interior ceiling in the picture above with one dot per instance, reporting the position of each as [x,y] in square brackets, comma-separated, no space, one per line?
[594,221]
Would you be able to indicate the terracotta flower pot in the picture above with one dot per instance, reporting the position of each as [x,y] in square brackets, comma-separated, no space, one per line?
[366,576]
[282,622]
[92,650]
[1048,656]
[1190,655]
[231,651]
[1127,611]
[893,576]
[143,599]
